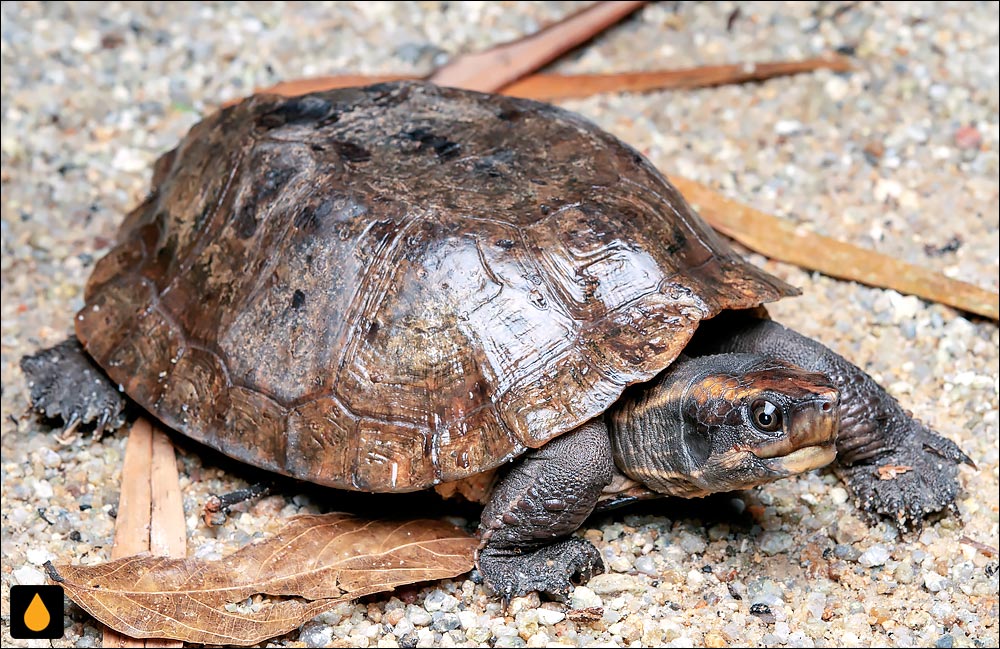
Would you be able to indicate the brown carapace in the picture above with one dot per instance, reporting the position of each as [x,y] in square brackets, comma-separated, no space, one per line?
[390,287]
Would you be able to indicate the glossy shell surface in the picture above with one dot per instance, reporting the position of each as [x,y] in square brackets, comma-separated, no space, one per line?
[390,287]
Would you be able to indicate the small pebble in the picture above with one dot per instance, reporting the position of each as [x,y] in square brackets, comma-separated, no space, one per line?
[765,591]
[691,543]
[933,581]
[28,576]
[548,617]
[316,635]
[775,542]
[583,597]
[438,600]
[945,642]
[876,555]
[850,529]
[442,621]
[403,628]
[968,137]
[788,127]
[612,583]
[646,566]
[418,616]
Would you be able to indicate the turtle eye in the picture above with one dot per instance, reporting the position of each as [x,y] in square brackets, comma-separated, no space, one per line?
[766,416]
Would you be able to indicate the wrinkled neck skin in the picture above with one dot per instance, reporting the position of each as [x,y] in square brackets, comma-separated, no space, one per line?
[653,441]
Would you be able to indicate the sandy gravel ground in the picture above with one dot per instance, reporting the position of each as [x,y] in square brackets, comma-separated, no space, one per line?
[901,156]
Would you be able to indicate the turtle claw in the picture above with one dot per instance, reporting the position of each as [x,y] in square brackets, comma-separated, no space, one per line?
[550,570]
[913,479]
[102,423]
[64,384]
[68,433]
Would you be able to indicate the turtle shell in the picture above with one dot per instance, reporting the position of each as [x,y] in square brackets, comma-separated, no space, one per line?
[388,287]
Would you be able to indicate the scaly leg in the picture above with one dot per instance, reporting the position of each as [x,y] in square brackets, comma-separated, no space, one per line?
[545,498]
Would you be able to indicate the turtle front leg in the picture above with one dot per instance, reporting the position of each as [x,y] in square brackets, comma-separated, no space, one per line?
[546,496]
[65,384]
[895,465]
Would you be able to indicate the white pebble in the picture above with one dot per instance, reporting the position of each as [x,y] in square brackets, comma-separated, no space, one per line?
[934,582]
[418,616]
[38,556]
[611,583]
[836,88]
[584,597]
[885,188]
[43,489]
[129,160]
[549,617]
[467,619]
[402,628]
[775,542]
[788,127]
[876,555]
[695,579]
[28,576]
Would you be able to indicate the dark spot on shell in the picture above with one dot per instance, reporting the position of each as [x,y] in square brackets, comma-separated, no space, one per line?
[246,218]
[298,299]
[679,241]
[506,244]
[308,108]
[351,152]
[442,146]
[487,170]
[312,217]
[510,114]
[495,164]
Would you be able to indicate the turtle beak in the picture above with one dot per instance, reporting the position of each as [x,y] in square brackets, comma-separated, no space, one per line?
[811,441]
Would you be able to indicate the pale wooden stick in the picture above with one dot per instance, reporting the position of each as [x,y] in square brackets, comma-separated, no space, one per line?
[134,503]
[552,87]
[167,535]
[150,511]
[782,240]
[498,66]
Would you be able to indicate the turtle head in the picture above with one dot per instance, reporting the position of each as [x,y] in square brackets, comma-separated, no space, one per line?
[726,422]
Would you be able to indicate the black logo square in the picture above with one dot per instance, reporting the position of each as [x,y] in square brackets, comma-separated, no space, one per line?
[36,612]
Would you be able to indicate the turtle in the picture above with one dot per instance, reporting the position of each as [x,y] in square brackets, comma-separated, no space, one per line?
[400,286]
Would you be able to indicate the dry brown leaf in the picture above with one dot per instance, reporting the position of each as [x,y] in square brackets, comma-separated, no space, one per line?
[270,587]
[782,240]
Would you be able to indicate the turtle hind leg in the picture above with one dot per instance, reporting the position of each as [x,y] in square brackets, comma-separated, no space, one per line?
[536,506]
[895,465]
[64,384]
